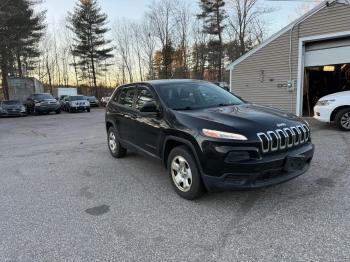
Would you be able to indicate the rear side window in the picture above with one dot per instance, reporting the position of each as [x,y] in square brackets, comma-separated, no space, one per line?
[144,96]
[126,97]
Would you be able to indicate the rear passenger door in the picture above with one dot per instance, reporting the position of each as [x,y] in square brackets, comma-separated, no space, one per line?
[122,111]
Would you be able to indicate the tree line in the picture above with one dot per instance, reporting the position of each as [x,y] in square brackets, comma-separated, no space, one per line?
[174,39]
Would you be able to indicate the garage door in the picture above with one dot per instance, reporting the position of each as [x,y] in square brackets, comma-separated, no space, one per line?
[336,51]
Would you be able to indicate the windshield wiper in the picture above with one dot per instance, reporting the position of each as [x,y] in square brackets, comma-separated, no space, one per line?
[222,104]
[184,108]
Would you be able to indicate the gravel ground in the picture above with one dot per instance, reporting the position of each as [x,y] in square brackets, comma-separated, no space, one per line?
[64,198]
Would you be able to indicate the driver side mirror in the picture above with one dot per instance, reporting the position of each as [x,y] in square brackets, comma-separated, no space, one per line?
[149,107]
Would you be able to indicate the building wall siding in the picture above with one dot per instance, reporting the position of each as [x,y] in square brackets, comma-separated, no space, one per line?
[262,77]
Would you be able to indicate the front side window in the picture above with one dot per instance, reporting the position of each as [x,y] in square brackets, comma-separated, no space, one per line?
[144,96]
[126,97]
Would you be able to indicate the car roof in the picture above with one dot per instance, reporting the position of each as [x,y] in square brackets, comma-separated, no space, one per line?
[171,81]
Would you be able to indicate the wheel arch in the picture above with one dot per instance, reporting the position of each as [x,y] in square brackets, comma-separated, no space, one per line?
[109,124]
[335,111]
[173,141]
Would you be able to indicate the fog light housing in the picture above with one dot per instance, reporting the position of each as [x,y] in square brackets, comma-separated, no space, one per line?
[237,156]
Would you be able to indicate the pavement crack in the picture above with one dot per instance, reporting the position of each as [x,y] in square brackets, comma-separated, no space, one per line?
[245,208]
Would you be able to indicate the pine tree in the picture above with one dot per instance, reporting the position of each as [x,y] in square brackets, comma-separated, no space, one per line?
[167,60]
[89,26]
[20,32]
[213,15]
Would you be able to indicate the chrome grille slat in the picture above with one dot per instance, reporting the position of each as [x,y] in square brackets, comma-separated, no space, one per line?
[280,139]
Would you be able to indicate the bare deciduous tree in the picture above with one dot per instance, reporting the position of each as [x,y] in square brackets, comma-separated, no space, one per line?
[122,32]
[246,22]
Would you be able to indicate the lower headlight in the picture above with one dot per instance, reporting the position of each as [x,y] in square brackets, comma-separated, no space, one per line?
[223,135]
[23,109]
[37,104]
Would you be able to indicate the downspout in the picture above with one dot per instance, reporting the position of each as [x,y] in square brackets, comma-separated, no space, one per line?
[326,4]
[231,75]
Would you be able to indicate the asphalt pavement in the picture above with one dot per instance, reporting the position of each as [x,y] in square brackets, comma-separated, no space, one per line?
[64,198]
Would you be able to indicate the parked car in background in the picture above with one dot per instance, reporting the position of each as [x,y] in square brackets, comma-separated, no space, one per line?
[92,100]
[12,108]
[76,103]
[207,138]
[61,101]
[334,108]
[42,103]
[105,100]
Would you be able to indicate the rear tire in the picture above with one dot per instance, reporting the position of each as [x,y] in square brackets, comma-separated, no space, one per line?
[184,173]
[114,146]
[342,119]
[88,110]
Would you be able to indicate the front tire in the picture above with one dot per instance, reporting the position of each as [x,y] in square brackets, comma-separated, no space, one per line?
[58,111]
[115,148]
[88,110]
[342,119]
[184,173]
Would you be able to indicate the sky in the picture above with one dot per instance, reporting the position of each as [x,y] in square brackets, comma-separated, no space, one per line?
[135,9]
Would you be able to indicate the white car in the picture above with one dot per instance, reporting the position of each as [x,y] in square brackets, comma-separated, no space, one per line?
[334,107]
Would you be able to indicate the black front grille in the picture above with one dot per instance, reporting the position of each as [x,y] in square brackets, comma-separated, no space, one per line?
[280,139]
[13,111]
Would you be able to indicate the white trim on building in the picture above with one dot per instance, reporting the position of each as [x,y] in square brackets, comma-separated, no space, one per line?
[281,32]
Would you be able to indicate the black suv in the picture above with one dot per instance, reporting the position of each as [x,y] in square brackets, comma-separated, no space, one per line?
[206,137]
[42,103]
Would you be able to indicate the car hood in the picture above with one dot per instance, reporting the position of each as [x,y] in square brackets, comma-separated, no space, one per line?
[18,106]
[336,95]
[241,118]
[80,101]
[47,100]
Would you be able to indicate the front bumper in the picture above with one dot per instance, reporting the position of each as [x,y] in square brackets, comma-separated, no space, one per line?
[12,113]
[77,108]
[270,170]
[48,108]
[323,113]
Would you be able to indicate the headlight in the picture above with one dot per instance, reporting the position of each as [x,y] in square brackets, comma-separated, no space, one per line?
[324,102]
[23,108]
[37,104]
[223,135]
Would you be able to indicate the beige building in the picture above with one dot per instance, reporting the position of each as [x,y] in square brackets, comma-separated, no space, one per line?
[299,64]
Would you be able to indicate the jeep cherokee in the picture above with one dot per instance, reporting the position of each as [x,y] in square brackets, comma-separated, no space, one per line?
[206,137]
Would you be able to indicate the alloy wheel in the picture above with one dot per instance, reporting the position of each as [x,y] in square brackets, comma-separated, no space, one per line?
[112,142]
[181,173]
[345,120]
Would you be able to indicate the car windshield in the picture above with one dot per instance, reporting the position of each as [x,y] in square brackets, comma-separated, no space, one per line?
[42,96]
[76,98]
[195,95]
[11,102]
[91,98]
